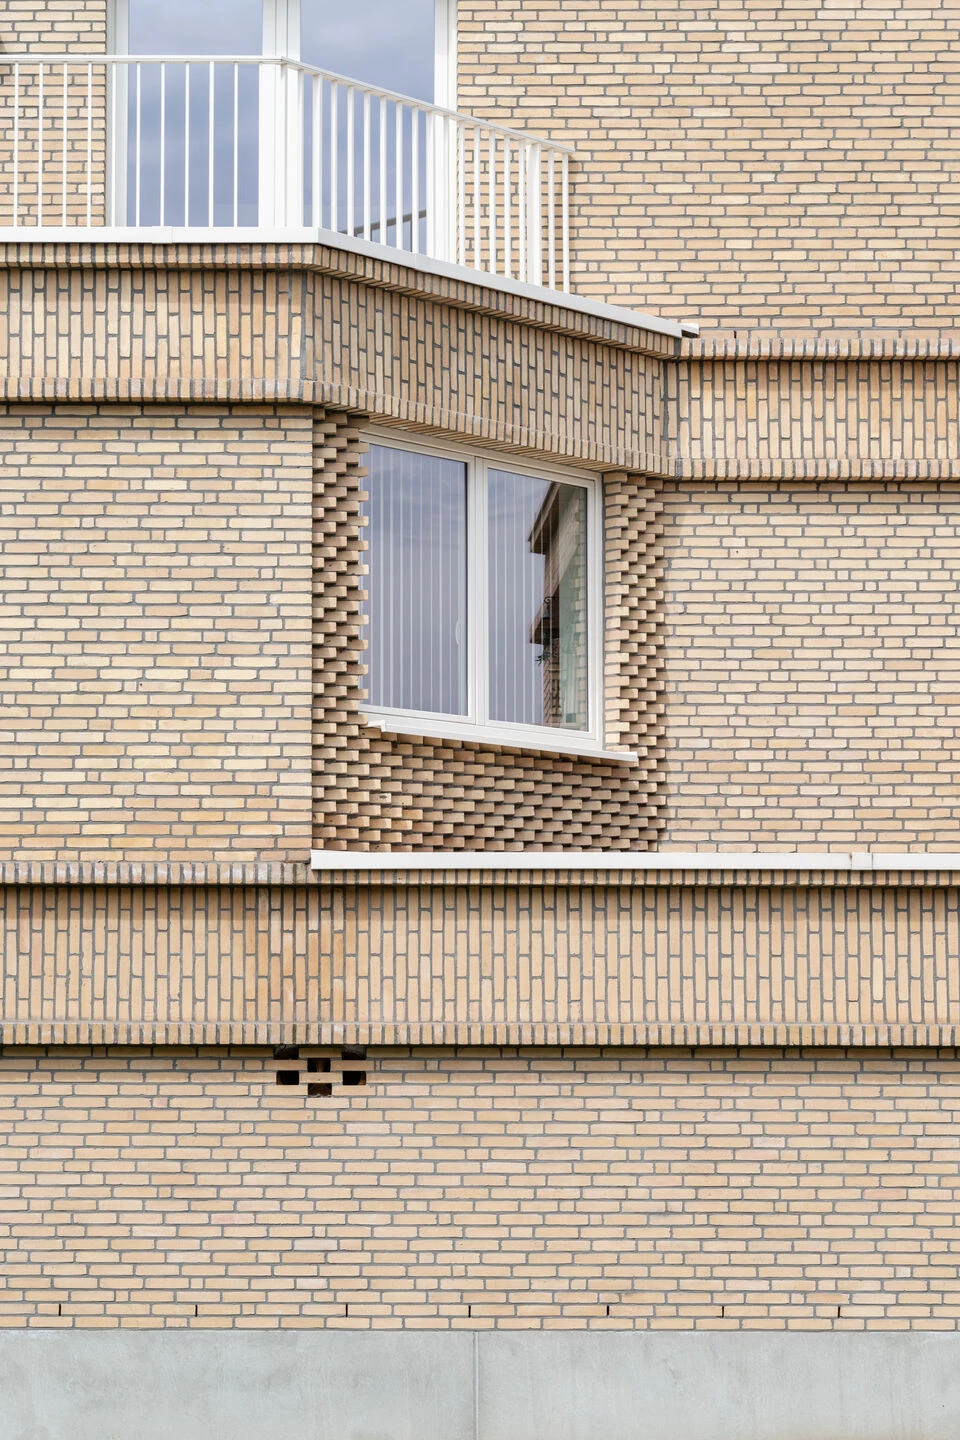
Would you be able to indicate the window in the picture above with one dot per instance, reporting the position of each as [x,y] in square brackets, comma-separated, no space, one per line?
[483,599]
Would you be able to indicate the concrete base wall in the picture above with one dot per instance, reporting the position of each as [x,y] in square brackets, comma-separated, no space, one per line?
[470,1386]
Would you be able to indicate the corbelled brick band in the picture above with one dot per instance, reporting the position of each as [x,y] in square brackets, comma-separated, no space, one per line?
[601,1189]
[308,324]
[376,791]
[579,960]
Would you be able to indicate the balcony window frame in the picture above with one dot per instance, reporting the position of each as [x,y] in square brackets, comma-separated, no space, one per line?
[476,726]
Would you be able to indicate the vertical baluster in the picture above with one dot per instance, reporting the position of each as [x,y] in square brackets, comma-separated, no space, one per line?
[334,147]
[476,197]
[366,165]
[40,147]
[398,172]
[211,121]
[461,192]
[16,142]
[186,145]
[89,143]
[316,151]
[414,180]
[534,182]
[136,154]
[351,170]
[113,85]
[163,142]
[382,174]
[523,165]
[565,183]
[63,173]
[551,220]
[492,202]
[236,144]
[507,212]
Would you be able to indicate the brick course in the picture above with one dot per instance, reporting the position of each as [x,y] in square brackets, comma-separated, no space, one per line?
[474,1189]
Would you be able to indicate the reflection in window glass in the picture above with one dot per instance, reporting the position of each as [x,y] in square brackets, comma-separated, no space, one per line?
[389,43]
[538,601]
[417,583]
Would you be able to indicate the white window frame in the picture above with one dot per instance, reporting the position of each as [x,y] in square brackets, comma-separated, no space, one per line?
[476,726]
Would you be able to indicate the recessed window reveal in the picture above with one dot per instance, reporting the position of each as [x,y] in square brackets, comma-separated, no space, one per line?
[480,604]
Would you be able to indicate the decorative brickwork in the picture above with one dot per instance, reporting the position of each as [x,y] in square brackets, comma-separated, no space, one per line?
[812,648]
[155,603]
[308,324]
[745,164]
[611,1190]
[576,961]
[376,791]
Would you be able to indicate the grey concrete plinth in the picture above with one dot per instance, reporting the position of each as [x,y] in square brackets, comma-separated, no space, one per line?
[407,1385]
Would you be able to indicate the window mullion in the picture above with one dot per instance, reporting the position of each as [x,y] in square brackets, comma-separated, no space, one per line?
[477,592]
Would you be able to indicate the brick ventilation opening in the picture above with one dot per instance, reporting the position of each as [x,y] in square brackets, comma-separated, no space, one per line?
[288,1077]
[354,1077]
[320,1091]
[318,1065]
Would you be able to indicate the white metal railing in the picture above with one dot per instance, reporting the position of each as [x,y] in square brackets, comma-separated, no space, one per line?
[239,142]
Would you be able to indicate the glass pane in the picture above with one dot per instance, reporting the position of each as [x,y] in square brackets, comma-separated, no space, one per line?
[186,27]
[538,601]
[389,43]
[190,162]
[417,584]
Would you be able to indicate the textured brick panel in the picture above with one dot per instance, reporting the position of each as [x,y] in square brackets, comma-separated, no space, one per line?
[811,652]
[305,323]
[743,163]
[375,791]
[481,963]
[789,411]
[612,1190]
[155,610]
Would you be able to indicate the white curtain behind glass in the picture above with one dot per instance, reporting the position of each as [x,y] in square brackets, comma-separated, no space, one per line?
[417,583]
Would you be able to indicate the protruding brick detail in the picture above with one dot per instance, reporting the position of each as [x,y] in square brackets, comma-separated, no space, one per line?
[377,791]
[610,960]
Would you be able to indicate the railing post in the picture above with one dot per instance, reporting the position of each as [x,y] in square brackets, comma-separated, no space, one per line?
[534,216]
[442,186]
[281,118]
[281,145]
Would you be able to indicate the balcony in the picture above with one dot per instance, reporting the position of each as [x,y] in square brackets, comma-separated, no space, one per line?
[179,147]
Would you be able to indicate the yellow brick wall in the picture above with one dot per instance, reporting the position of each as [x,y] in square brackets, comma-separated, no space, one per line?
[521,1189]
[155,604]
[53,26]
[751,165]
[811,656]
[74,126]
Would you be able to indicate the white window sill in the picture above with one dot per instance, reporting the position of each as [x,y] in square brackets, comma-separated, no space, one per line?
[561,742]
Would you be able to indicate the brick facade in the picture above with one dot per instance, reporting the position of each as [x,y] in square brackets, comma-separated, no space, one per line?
[593,1099]
[785,168]
[156,666]
[473,1189]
